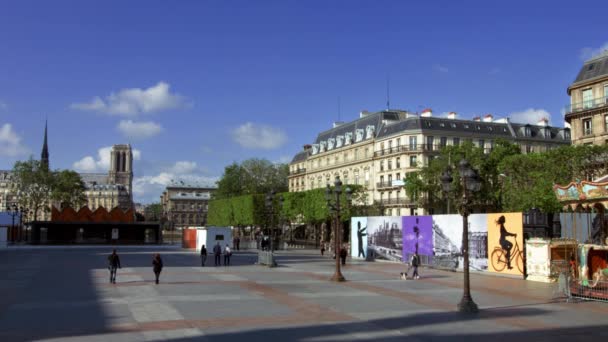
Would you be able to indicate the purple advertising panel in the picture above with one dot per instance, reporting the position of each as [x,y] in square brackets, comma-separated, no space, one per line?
[417,236]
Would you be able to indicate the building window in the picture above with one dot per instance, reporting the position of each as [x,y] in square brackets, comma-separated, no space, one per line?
[606,93]
[455,141]
[528,131]
[398,176]
[413,162]
[430,141]
[382,165]
[390,164]
[605,123]
[528,148]
[366,177]
[587,127]
[413,143]
[399,139]
[443,142]
[390,145]
[356,178]
[587,98]
[398,162]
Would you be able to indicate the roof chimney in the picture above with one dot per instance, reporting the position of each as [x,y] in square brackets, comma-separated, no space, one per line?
[307,147]
[477,118]
[363,113]
[338,123]
[427,113]
[543,122]
[452,115]
[488,118]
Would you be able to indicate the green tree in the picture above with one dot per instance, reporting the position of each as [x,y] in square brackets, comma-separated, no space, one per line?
[68,189]
[154,211]
[252,176]
[34,185]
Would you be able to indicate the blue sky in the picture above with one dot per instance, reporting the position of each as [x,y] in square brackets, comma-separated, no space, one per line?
[196,85]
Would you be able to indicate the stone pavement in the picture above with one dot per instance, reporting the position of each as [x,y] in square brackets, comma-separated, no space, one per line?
[63,294]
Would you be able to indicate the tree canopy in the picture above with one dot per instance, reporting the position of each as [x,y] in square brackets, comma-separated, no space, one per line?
[252,176]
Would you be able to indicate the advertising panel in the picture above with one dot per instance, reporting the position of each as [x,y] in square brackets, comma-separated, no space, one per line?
[505,243]
[447,240]
[384,238]
[418,237]
[358,237]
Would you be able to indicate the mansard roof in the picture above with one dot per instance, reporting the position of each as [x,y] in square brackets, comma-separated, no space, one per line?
[593,68]
[372,119]
[300,157]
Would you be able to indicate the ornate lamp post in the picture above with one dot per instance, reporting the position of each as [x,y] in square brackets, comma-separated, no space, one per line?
[271,211]
[335,209]
[13,211]
[471,183]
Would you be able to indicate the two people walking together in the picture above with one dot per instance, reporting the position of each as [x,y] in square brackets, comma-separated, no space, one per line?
[217,253]
[114,265]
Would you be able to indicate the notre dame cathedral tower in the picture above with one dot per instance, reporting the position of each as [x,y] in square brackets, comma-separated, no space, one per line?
[121,167]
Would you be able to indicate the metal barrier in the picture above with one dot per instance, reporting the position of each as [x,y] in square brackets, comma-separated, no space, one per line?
[593,289]
[266,258]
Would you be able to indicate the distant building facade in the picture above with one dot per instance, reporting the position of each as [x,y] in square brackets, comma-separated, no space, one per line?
[185,205]
[378,150]
[587,112]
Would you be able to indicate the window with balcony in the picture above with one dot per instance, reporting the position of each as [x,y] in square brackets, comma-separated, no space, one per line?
[443,142]
[398,162]
[390,179]
[398,176]
[366,177]
[430,141]
[398,142]
[382,165]
[455,141]
[587,98]
[356,179]
[390,164]
[413,162]
[587,127]
[413,143]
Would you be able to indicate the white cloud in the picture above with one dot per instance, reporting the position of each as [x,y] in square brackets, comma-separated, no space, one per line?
[139,130]
[102,163]
[440,68]
[134,101]
[530,116]
[589,52]
[183,167]
[148,188]
[250,135]
[10,142]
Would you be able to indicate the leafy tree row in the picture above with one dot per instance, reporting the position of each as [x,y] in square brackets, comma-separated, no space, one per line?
[511,181]
[252,176]
[38,187]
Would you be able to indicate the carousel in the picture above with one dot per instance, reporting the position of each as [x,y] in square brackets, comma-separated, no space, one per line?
[588,267]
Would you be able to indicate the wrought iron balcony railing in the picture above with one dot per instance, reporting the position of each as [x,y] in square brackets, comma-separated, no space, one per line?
[587,104]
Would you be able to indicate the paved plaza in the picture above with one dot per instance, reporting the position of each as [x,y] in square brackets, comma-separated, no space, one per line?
[63,294]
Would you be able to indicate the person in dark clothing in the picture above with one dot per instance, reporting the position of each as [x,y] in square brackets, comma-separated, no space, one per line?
[504,243]
[343,254]
[157,265]
[227,255]
[360,234]
[238,243]
[113,264]
[415,262]
[203,255]
[322,249]
[217,252]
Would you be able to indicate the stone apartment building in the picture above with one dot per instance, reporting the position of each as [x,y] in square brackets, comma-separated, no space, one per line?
[378,150]
[587,112]
[185,205]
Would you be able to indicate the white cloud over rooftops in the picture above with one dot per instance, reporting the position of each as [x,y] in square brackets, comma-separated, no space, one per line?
[530,116]
[10,142]
[139,130]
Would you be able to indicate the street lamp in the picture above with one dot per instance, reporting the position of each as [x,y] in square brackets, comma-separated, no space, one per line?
[270,210]
[13,211]
[471,183]
[335,209]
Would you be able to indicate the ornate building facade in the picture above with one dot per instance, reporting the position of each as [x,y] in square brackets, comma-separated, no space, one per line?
[587,112]
[185,205]
[378,150]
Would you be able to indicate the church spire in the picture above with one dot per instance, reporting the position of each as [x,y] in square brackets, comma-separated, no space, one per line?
[44,156]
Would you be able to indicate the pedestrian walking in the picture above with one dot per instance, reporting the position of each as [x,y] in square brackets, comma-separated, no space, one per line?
[415,262]
[113,264]
[227,255]
[157,265]
[203,256]
[343,254]
[238,243]
[217,252]
[322,249]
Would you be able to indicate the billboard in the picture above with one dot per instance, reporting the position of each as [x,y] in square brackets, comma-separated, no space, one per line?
[505,243]
[384,238]
[358,237]
[418,237]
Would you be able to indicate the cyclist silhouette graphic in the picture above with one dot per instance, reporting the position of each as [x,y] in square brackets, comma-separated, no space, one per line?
[504,243]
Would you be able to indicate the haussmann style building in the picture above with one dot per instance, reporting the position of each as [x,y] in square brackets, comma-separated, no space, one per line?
[378,150]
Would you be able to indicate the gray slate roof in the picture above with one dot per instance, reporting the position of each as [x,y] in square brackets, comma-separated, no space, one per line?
[593,68]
